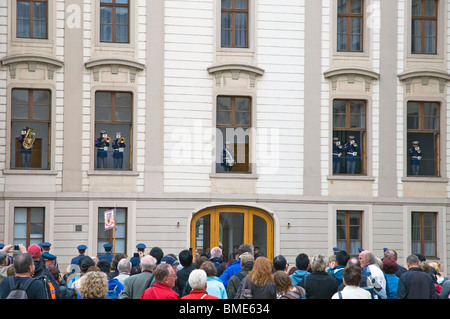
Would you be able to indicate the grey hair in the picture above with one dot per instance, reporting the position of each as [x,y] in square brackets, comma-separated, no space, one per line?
[124,265]
[148,262]
[319,263]
[3,256]
[197,279]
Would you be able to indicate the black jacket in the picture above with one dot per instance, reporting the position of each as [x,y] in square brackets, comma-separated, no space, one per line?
[319,285]
[416,284]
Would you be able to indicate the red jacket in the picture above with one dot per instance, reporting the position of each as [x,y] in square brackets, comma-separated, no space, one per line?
[159,291]
[199,294]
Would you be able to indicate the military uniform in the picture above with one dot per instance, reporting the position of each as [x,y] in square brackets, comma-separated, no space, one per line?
[102,150]
[352,152]
[416,157]
[108,255]
[337,153]
[135,260]
[74,262]
[118,152]
[228,158]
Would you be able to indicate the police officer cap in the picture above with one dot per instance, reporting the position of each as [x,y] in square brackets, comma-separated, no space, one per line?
[107,246]
[360,250]
[416,143]
[335,249]
[141,246]
[48,256]
[2,246]
[45,244]
[82,247]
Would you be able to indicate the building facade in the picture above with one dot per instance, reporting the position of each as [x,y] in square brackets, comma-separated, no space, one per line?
[189,85]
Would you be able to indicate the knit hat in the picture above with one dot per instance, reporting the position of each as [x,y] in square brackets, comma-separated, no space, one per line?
[34,250]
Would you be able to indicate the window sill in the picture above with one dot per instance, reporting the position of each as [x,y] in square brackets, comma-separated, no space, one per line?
[113,173]
[426,179]
[35,172]
[233,176]
[344,177]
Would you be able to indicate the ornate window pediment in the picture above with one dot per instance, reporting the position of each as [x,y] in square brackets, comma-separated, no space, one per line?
[114,64]
[368,75]
[425,75]
[32,60]
[235,69]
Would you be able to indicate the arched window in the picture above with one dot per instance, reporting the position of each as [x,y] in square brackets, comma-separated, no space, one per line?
[227,226]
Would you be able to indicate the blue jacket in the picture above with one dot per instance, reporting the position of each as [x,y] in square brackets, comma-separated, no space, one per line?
[350,149]
[297,276]
[336,272]
[116,146]
[391,286]
[231,270]
[216,288]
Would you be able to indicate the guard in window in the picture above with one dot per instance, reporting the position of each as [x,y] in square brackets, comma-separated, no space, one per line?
[228,157]
[416,157]
[337,154]
[118,146]
[102,144]
[352,152]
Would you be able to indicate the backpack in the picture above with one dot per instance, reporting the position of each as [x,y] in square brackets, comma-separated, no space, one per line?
[246,290]
[18,292]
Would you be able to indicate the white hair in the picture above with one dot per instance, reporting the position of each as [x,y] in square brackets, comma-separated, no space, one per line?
[216,252]
[197,279]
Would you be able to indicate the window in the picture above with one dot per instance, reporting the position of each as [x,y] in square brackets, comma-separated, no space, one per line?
[115,236]
[232,140]
[114,21]
[349,231]
[30,126]
[423,127]
[349,127]
[424,26]
[113,118]
[230,226]
[350,24]
[234,24]
[28,225]
[32,19]
[423,234]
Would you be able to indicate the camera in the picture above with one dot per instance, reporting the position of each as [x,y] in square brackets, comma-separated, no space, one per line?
[16,247]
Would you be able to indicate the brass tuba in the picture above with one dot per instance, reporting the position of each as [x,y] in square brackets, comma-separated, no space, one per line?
[30,137]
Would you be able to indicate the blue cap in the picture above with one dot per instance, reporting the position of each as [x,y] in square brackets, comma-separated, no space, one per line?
[360,249]
[141,246]
[2,246]
[82,247]
[384,249]
[107,246]
[169,260]
[45,244]
[335,249]
[48,256]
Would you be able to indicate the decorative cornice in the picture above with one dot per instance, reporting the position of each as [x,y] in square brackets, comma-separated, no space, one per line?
[235,69]
[425,75]
[114,64]
[32,59]
[368,75]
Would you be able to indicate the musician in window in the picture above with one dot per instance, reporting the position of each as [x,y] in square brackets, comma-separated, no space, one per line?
[416,157]
[228,157]
[26,140]
[118,146]
[102,144]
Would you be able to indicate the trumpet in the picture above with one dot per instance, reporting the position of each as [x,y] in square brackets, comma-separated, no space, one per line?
[107,139]
[30,137]
[121,140]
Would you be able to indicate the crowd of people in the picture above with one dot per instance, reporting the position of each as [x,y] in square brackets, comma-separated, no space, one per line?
[34,273]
